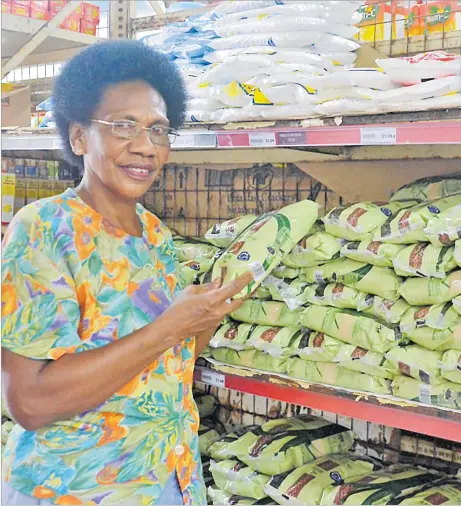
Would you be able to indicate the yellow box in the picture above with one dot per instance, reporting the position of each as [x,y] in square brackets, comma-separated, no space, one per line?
[31,190]
[20,194]
[44,188]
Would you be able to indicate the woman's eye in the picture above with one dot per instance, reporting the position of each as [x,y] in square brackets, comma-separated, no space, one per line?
[158,130]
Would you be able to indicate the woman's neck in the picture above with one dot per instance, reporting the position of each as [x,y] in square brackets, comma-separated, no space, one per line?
[118,212]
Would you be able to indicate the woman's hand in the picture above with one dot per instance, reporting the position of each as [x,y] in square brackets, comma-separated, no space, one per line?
[202,308]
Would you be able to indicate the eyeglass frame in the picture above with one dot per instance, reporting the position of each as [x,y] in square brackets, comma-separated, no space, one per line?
[169,131]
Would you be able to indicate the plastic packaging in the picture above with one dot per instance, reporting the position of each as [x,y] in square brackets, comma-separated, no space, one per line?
[315,249]
[423,291]
[271,313]
[425,260]
[222,234]
[446,394]
[232,335]
[389,311]
[371,252]
[445,228]
[450,366]
[251,359]
[338,295]
[416,362]
[278,341]
[430,188]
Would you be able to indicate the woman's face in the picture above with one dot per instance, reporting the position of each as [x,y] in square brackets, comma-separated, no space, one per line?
[127,167]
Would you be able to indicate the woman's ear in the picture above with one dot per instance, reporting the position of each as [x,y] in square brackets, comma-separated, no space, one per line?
[77,138]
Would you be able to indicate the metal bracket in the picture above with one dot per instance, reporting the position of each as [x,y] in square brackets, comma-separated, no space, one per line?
[119,19]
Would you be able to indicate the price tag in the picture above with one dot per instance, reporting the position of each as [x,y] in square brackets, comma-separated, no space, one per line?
[214,379]
[195,140]
[262,139]
[385,135]
[184,141]
[292,138]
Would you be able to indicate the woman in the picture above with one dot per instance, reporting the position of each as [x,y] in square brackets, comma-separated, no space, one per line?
[98,343]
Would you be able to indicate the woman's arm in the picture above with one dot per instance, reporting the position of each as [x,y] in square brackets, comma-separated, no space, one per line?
[39,392]
[202,340]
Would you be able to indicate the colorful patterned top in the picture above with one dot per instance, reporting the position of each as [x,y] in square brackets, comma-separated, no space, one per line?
[71,282]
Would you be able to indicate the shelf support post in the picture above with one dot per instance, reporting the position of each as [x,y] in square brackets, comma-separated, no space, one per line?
[119,19]
[38,37]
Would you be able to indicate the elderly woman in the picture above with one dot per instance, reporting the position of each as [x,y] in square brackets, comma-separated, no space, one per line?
[99,341]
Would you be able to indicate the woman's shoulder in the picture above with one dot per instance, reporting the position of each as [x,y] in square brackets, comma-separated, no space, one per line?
[157,232]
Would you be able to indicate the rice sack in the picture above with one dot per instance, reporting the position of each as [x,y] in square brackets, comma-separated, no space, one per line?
[447,491]
[281,448]
[209,432]
[337,295]
[457,252]
[359,359]
[222,234]
[206,405]
[437,316]
[320,347]
[221,498]
[435,339]
[371,252]
[222,449]
[389,311]
[193,250]
[276,314]
[284,272]
[446,394]
[191,269]
[251,359]
[407,226]
[332,374]
[305,484]
[416,362]
[429,188]
[445,228]
[279,341]
[351,327]
[457,304]
[425,260]
[262,292]
[366,278]
[235,477]
[232,335]
[379,487]
[291,291]
[314,249]
[450,366]
[421,292]
[357,222]
[262,246]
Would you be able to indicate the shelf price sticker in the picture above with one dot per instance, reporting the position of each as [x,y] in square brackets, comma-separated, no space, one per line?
[195,140]
[262,139]
[214,379]
[384,135]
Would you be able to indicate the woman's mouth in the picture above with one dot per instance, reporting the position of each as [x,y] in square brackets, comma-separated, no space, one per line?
[137,172]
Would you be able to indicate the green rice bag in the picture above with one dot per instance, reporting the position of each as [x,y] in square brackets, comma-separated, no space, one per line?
[289,291]
[445,228]
[446,394]
[420,292]
[269,313]
[450,366]
[251,359]
[371,252]
[284,272]
[193,250]
[429,188]
[278,341]
[207,476]
[191,269]
[351,327]
[206,352]
[425,260]
[232,335]
[407,227]
[314,249]
[416,362]
[457,304]
[235,477]
[262,246]
[277,450]
[221,498]
[457,253]
[354,358]
[357,222]
[438,316]
[262,292]
[209,432]
[332,374]
[338,295]
[366,278]
[320,347]
[222,449]
[436,339]
[379,487]
[222,234]
[305,484]
[206,405]
[447,491]
[389,311]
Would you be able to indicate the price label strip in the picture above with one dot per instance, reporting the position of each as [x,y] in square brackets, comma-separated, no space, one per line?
[195,140]
[378,136]
[262,139]
[214,379]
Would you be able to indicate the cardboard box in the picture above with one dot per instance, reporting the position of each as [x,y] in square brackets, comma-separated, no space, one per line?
[20,8]
[44,188]
[6,6]
[88,27]
[16,105]
[72,22]
[54,6]
[31,190]
[90,12]
[39,9]
[20,195]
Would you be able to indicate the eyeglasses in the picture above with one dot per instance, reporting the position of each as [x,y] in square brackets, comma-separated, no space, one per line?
[127,129]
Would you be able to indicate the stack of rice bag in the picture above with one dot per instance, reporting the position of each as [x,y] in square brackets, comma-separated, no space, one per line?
[307,461]
[368,299]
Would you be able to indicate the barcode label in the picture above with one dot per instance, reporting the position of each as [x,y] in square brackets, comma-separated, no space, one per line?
[262,139]
[425,393]
[387,135]
[214,379]
[257,270]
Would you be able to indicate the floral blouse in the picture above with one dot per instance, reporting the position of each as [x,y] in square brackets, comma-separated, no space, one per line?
[70,283]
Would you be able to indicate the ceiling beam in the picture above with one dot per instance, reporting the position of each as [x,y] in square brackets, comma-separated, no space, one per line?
[157,6]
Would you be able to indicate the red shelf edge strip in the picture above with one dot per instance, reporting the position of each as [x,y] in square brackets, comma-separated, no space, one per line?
[391,416]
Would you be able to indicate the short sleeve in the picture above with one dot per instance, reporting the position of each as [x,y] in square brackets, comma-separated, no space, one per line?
[169,258]
[40,310]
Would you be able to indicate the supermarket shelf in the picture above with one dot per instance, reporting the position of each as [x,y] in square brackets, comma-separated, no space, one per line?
[388,411]
[17,30]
